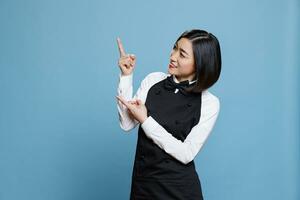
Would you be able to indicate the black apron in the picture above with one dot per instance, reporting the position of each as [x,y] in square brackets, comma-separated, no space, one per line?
[156,174]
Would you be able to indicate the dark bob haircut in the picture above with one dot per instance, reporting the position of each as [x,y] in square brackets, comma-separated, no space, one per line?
[207,56]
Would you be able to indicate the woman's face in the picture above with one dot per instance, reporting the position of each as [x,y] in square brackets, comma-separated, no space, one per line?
[182,60]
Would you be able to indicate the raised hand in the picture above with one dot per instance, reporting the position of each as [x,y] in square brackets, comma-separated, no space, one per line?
[126,61]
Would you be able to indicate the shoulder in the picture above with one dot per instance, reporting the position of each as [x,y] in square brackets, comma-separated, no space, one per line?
[154,77]
[210,102]
[208,96]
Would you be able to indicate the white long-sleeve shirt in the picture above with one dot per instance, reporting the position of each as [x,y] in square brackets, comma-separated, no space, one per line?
[182,151]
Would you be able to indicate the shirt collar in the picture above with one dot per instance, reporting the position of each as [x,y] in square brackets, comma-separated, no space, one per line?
[176,81]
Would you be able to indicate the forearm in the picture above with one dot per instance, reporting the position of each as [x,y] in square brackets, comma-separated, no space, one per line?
[125,89]
[185,151]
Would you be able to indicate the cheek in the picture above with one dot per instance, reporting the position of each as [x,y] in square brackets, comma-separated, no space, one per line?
[186,66]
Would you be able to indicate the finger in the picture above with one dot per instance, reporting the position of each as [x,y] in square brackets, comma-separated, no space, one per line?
[132,102]
[127,62]
[123,101]
[135,102]
[131,115]
[121,48]
[132,56]
[138,101]
[132,63]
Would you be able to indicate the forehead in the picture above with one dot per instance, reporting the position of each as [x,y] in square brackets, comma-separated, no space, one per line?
[185,44]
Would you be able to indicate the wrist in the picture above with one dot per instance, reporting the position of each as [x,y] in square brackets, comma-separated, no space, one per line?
[143,119]
[125,74]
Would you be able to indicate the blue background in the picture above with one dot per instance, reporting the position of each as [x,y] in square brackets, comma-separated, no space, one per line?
[59,132]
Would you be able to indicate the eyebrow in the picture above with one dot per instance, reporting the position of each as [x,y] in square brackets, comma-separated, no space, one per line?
[182,50]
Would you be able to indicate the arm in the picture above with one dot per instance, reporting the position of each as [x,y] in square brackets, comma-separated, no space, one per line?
[126,63]
[185,151]
[125,89]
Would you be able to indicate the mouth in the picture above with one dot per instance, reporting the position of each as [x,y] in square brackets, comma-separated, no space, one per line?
[171,65]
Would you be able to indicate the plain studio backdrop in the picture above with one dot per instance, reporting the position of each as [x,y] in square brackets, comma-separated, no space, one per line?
[60,137]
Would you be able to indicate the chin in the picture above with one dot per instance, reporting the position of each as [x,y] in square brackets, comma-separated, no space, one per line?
[171,71]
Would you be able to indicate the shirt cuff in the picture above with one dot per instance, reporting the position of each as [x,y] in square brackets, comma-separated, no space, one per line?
[149,125]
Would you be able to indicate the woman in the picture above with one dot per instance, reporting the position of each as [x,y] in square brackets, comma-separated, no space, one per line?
[176,113]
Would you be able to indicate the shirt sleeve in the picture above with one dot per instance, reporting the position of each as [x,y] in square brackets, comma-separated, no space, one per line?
[125,89]
[185,151]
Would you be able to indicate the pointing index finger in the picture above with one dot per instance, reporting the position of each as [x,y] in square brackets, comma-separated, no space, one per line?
[123,101]
[121,48]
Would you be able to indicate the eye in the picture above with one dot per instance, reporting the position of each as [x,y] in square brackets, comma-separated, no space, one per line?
[182,55]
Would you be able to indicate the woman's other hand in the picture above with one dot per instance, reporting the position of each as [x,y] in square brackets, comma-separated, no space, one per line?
[136,108]
[126,61]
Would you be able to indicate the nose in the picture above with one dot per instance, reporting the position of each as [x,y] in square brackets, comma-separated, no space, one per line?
[173,56]
[172,59]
